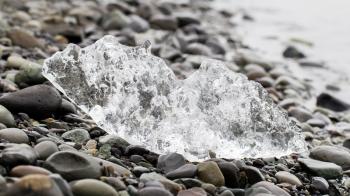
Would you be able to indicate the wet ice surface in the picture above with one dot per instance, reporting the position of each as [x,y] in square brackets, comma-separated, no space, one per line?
[131,93]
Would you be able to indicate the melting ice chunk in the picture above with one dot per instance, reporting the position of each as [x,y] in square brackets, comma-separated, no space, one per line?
[133,94]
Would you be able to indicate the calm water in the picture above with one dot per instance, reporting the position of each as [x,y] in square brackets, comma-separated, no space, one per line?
[322,25]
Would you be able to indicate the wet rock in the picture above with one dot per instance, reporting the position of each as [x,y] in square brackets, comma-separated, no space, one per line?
[170,162]
[168,184]
[18,154]
[184,19]
[320,184]
[283,176]
[138,24]
[254,175]
[14,135]
[330,102]
[139,170]
[34,184]
[198,49]
[62,184]
[346,143]
[45,149]
[332,154]
[92,187]
[164,22]
[231,174]
[73,165]
[116,183]
[115,20]
[320,168]
[114,140]
[196,191]
[185,171]
[24,39]
[210,172]
[116,168]
[275,190]
[38,101]
[135,149]
[67,107]
[76,135]
[24,170]
[300,114]
[293,52]
[152,191]
[6,117]
[226,193]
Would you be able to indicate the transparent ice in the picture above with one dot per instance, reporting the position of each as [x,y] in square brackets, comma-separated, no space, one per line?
[129,92]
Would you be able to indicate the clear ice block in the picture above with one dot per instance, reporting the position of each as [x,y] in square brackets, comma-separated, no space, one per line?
[129,92]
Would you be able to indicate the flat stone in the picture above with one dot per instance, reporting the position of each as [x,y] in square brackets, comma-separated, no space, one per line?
[185,171]
[116,183]
[332,154]
[92,187]
[114,141]
[37,101]
[168,184]
[293,52]
[231,174]
[23,170]
[209,172]
[14,135]
[76,135]
[6,117]
[283,176]
[164,22]
[324,169]
[330,102]
[170,162]
[300,114]
[73,165]
[275,190]
[139,24]
[45,149]
[154,191]
[18,154]
[196,191]
[24,39]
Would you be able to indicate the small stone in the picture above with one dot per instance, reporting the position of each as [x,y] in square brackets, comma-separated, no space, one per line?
[38,101]
[23,170]
[138,24]
[67,107]
[170,162]
[62,184]
[24,39]
[254,175]
[6,117]
[116,183]
[300,114]
[209,172]
[92,187]
[320,168]
[154,191]
[14,135]
[139,170]
[73,165]
[184,19]
[320,184]
[164,22]
[45,149]
[198,49]
[135,149]
[314,122]
[283,176]
[275,190]
[330,102]
[196,191]
[168,184]
[115,20]
[332,154]
[114,141]
[76,135]
[209,188]
[34,184]
[18,154]
[293,52]
[226,193]
[185,171]
[231,174]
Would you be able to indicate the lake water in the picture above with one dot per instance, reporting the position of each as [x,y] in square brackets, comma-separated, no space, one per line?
[321,28]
